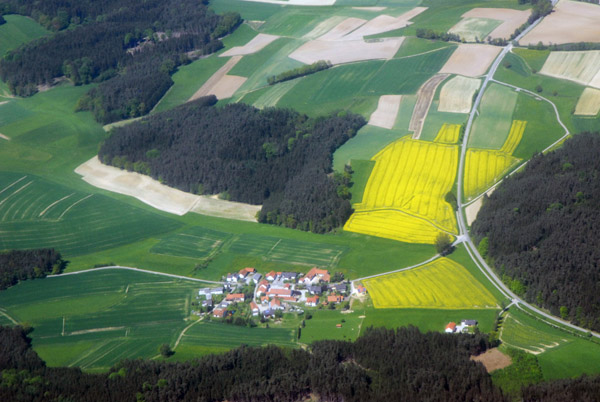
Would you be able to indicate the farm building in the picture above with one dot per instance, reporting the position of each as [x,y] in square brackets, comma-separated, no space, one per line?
[263,286]
[339,287]
[275,304]
[289,276]
[219,312]
[312,301]
[264,299]
[209,292]
[254,308]
[315,275]
[469,323]
[279,292]
[335,298]
[360,289]
[451,327]
[271,276]
[231,278]
[235,297]
[245,272]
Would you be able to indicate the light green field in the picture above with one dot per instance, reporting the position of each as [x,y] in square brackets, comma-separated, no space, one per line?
[435,120]
[271,96]
[522,332]
[361,171]
[18,30]
[37,213]
[474,29]
[194,242]
[108,315]
[534,59]
[323,325]
[413,46]
[492,126]
[570,360]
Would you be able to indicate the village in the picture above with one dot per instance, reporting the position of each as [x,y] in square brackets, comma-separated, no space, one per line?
[248,293]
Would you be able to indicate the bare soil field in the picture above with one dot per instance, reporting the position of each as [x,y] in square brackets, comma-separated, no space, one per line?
[342,29]
[511,19]
[338,52]
[159,196]
[471,60]
[257,43]
[387,110]
[582,67]
[493,359]
[227,85]
[456,95]
[214,81]
[589,103]
[571,22]
[324,27]
[385,23]
[424,99]
[472,209]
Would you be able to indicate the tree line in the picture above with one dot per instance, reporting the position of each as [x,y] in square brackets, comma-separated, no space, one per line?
[274,157]
[131,48]
[540,231]
[20,265]
[299,72]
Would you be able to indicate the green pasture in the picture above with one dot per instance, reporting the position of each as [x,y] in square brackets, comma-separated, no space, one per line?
[194,242]
[436,119]
[95,319]
[37,213]
[414,46]
[252,11]
[271,96]
[534,59]
[571,360]
[18,30]
[323,325]
[492,125]
[473,29]
[542,128]
[361,171]
[523,332]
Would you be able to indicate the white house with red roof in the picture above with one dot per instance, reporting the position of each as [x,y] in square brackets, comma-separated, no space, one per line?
[245,272]
[275,304]
[254,308]
[315,275]
[312,301]
[451,327]
[235,297]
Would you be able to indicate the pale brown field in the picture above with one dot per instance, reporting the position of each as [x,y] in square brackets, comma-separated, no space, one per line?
[387,110]
[471,60]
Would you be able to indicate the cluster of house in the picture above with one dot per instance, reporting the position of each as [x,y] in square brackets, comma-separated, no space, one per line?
[275,291]
[463,327]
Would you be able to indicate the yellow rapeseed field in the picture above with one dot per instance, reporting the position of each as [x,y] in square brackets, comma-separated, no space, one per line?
[483,168]
[404,197]
[514,137]
[448,134]
[440,284]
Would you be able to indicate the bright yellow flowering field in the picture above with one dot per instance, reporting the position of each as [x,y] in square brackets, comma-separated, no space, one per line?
[404,197]
[514,137]
[442,283]
[448,134]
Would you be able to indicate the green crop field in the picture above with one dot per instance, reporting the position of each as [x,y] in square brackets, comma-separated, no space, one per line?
[323,325]
[475,29]
[435,120]
[413,46]
[18,30]
[290,251]
[37,213]
[194,242]
[361,171]
[95,319]
[570,360]
[521,331]
[534,59]
[271,96]
[492,126]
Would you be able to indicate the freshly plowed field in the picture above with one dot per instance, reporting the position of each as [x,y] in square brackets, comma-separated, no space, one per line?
[448,134]
[483,168]
[411,177]
[442,283]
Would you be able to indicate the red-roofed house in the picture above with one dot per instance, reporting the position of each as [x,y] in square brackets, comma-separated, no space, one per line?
[263,286]
[451,327]
[279,292]
[292,299]
[235,297]
[312,301]
[360,289]
[315,275]
[272,275]
[264,299]
[219,312]
[244,272]
[275,304]
[254,308]
[335,298]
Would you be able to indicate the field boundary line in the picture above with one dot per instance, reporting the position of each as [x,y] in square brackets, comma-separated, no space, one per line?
[272,248]
[53,204]
[12,184]
[429,221]
[5,314]
[69,208]
[435,257]
[16,192]
[183,333]
[187,278]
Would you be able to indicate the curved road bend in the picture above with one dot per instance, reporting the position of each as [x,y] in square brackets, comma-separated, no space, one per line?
[186,278]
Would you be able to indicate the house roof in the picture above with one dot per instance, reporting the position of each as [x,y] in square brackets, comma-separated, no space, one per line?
[312,299]
[323,274]
[235,296]
[246,271]
[280,292]
[451,326]
[469,322]
[275,302]
[335,298]
[253,305]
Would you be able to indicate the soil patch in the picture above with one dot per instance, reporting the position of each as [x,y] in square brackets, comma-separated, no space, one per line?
[471,60]
[385,23]
[424,99]
[571,22]
[387,110]
[159,196]
[511,19]
[338,52]
[209,85]
[343,28]
[589,102]
[259,42]
[493,359]
[456,95]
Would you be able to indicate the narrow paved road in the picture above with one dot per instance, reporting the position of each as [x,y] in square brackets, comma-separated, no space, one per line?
[138,270]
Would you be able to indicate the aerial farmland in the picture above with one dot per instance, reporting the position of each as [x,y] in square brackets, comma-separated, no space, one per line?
[440,103]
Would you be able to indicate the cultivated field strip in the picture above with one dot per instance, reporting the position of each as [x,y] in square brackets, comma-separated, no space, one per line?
[484,167]
[411,177]
[448,134]
[514,137]
[36,213]
[582,67]
[194,242]
[519,332]
[442,283]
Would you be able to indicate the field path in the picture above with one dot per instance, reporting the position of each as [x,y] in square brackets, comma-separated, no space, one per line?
[2,312]
[138,270]
[184,331]
[424,98]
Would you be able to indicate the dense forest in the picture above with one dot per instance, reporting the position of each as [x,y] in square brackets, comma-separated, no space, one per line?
[541,231]
[130,47]
[19,265]
[381,365]
[274,157]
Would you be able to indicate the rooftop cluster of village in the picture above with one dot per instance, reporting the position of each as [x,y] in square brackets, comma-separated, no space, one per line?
[250,293]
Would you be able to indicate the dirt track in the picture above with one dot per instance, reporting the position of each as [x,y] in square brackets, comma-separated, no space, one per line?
[424,99]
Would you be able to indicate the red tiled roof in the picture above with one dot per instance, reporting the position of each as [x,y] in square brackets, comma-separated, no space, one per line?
[280,292]
[312,299]
[253,305]
[322,273]
[235,296]
[451,326]
[335,298]
[276,302]
[247,271]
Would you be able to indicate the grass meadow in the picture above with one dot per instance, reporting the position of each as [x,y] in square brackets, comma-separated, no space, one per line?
[492,125]
[18,30]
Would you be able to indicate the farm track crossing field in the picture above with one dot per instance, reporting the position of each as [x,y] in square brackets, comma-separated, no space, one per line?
[484,167]
[492,126]
[407,188]
[194,242]
[105,316]
[36,213]
[442,283]
[448,134]
[286,250]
